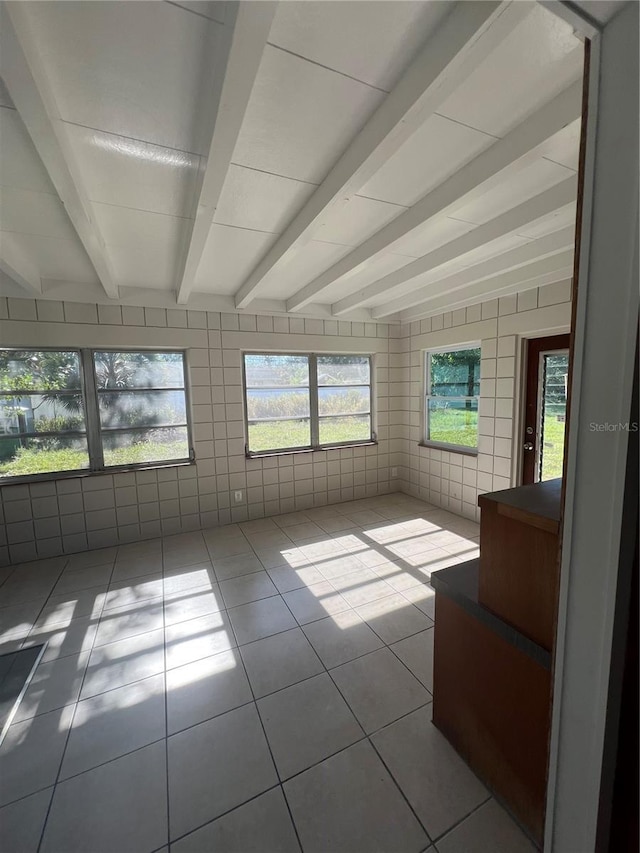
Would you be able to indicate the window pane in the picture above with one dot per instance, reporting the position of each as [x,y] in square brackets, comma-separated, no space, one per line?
[453,422]
[273,371]
[455,373]
[336,430]
[344,401]
[262,403]
[152,445]
[20,457]
[279,435]
[139,369]
[142,408]
[33,370]
[127,399]
[41,413]
[41,393]
[343,370]
[278,403]
[553,415]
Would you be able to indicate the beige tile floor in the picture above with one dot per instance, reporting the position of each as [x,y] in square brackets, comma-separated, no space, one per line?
[259,687]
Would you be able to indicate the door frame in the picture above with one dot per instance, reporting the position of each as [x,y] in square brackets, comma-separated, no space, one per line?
[535,346]
[605,321]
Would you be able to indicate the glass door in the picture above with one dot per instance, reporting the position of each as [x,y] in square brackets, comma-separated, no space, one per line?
[546,408]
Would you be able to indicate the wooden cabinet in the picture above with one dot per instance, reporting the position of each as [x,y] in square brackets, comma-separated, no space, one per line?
[494,632]
[519,557]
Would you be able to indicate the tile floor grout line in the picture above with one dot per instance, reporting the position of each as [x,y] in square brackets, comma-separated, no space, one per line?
[222,713]
[401,717]
[166,696]
[69,730]
[309,677]
[62,570]
[291,817]
[422,583]
[26,796]
[466,816]
[327,671]
[366,735]
[322,760]
[298,626]
[264,734]
[224,814]
[406,665]
[398,786]
[280,785]
[11,572]
[343,553]
[241,705]
[108,761]
[413,633]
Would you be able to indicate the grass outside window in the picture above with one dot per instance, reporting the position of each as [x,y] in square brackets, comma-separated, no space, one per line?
[64,411]
[306,401]
[452,382]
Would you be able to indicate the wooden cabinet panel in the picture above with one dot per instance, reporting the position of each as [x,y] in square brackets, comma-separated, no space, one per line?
[519,574]
[519,558]
[492,701]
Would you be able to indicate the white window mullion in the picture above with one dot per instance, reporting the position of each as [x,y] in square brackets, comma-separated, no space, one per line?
[94,437]
[313,400]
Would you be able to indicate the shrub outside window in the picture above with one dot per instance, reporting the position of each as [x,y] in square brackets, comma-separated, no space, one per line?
[306,401]
[73,410]
[42,414]
[451,400]
[142,407]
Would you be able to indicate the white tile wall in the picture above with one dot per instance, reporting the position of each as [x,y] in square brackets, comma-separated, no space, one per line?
[453,480]
[79,513]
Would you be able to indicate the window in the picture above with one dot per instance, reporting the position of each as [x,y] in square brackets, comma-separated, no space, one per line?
[303,402]
[452,391]
[142,407]
[63,411]
[42,413]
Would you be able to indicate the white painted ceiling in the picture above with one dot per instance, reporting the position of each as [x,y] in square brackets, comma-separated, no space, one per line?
[155,152]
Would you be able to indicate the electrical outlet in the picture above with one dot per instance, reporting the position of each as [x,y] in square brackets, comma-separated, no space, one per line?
[394,472]
[237,497]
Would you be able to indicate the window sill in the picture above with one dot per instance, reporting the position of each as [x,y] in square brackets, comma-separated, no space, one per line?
[296,452]
[449,448]
[26,479]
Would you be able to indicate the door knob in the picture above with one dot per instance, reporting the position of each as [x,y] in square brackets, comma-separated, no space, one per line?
[528,445]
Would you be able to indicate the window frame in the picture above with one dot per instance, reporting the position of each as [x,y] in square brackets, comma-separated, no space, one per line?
[426,396]
[90,407]
[314,417]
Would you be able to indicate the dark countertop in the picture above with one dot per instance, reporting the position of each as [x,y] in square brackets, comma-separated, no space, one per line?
[540,500]
[460,583]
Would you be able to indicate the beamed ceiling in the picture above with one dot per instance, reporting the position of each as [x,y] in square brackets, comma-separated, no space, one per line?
[366,160]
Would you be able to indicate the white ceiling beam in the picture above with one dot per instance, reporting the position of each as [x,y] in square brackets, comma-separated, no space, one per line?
[481,174]
[20,268]
[244,41]
[545,271]
[507,223]
[467,35]
[552,244]
[585,24]
[26,79]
